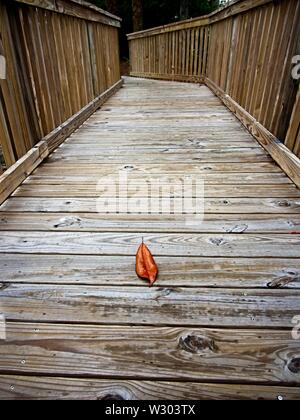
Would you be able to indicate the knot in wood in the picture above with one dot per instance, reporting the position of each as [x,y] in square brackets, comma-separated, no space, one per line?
[111,397]
[217,241]
[194,344]
[294,365]
[284,203]
[281,282]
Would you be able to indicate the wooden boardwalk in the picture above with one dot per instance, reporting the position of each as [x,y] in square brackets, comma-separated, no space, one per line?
[217,324]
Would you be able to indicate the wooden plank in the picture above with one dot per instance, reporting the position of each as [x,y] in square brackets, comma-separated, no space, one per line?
[159,168]
[217,205]
[210,245]
[76,8]
[44,29]
[36,69]
[230,356]
[173,77]
[47,388]
[70,52]
[289,163]
[140,189]
[114,143]
[294,126]
[89,222]
[256,40]
[261,73]
[197,272]
[48,100]
[5,139]
[296,149]
[51,177]
[170,155]
[109,305]
[62,65]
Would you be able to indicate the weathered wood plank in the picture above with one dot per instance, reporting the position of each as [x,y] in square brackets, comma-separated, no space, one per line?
[116,144]
[78,177]
[291,137]
[47,388]
[209,155]
[100,188]
[210,245]
[174,271]
[173,77]
[89,205]
[160,223]
[164,168]
[260,356]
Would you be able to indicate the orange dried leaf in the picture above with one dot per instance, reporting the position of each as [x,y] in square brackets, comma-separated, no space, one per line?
[146,267]
[141,270]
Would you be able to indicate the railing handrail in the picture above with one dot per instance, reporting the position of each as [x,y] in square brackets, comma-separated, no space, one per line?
[77,8]
[237,7]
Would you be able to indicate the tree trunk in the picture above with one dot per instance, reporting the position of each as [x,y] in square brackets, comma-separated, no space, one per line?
[112,7]
[184,9]
[137,15]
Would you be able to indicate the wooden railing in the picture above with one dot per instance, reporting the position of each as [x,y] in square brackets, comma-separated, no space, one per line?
[243,52]
[60,55]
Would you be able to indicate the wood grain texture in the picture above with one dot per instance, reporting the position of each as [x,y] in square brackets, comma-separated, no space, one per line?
[150,306]
[292,140]
[45,388]
[89,205]
[210,245]
[229,178]
[94,222]
[196,272]
[261,356]
[138,190]
[156,169]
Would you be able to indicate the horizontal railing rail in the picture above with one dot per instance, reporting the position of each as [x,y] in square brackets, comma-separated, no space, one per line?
[245,52]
